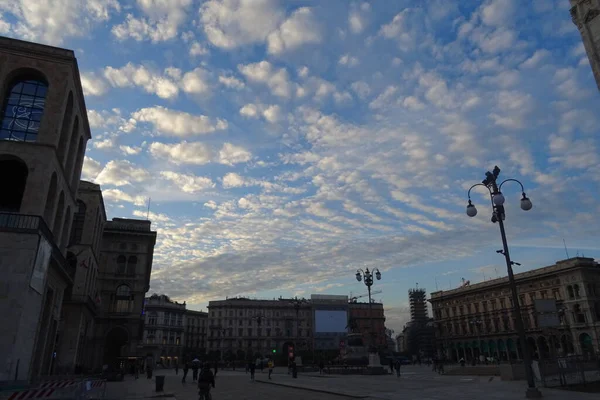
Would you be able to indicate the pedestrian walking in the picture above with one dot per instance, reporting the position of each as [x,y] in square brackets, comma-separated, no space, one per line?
[177,369]
[194,372]
[186,369]
[252,370]
[398,365]
[321,367]
[271,365]
[216,367]
[205,381]
[391,366]
[261,366]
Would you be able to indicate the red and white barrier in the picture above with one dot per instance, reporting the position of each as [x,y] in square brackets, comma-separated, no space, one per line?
[32,394]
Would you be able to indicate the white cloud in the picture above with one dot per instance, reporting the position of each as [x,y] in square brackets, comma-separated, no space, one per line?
[299,29]
[195,153]
[361,88]
[231,154]
[197,49]
[129,150]
[121,173]
[233,180]
[229,24]
[118,195]
[91,168]
[105,144]
[536,58]
[231,82]
[109,118]
[196,81]
[52,21]
[263,72]
[498,12]
[357,18]
[93,85]
[138,75]
[161,22]
[348,60]
[188,183]
[178,123]
[384,99]
[271,113]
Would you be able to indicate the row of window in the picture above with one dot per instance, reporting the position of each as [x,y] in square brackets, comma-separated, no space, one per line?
[252,313]
[254,322]
[259,332]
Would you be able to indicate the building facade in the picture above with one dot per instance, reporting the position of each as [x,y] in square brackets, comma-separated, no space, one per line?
[126,254]
[478,319]
[80,306]
[584,14]
[239,328]
[42,143]
[164,330]
[196,332]
[369,321]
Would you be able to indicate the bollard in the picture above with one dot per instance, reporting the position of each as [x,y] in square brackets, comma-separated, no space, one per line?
[160,383]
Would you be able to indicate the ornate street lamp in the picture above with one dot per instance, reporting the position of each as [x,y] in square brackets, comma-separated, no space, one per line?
[498,216]
[367,277]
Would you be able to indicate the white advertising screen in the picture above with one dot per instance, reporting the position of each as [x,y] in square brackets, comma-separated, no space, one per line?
[330,321]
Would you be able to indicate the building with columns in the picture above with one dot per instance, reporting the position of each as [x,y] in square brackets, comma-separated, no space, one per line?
[478,319]
[164,334]
[586,16]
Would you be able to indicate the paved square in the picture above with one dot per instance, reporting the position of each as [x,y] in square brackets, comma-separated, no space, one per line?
[415,383]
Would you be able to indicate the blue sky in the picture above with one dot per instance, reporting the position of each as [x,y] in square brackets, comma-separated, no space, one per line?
[286,143]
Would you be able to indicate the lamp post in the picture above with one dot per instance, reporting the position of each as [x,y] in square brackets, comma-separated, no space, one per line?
[477,324]
[367,277]
[498,216]
[297,303]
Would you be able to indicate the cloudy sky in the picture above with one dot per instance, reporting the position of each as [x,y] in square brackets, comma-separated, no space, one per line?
[284,144]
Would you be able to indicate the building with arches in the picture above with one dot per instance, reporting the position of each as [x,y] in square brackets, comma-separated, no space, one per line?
[43,136]
[125,264]
[584,14]
[477,320]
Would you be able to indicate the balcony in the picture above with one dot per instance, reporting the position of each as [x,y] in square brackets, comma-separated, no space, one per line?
[34,224]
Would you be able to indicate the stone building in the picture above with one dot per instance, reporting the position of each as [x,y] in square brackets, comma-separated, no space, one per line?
[127,249]
[478,319]
[585,16]
[196,330]
[42,143]
[164,333]
[81,301]
[370,321]
[243,327]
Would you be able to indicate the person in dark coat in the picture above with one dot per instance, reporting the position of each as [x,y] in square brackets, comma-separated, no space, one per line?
[205,381]
[252,370]
[186,368]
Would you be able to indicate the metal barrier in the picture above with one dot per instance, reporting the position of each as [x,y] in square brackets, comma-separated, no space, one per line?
[70,389]
[569,371]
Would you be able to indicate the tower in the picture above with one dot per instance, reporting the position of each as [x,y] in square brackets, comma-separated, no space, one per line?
[585,15]
[418,305]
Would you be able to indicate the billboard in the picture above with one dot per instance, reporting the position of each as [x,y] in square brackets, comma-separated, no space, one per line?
[330,321]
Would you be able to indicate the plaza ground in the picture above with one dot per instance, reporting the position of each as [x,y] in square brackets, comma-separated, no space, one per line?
[415,383]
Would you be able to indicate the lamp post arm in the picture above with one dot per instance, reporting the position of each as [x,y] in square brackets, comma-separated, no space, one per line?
[477,184]
[512,180]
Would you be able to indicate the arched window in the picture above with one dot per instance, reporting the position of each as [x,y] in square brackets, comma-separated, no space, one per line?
[24,105]
[76,175]
[72,152]
[123,299]
[570,291]
[65,228]
[121,263]
[131,265]
[58,217]
[576,290]
[78,222]
[15,178]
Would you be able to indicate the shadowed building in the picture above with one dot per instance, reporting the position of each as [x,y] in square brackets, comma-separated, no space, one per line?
[124,278]
[478,319]
[419,332]
[196,330]
[368,321]
[586,16]
[43,137]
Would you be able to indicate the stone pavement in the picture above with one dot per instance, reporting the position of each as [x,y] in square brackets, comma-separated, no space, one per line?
[415,383]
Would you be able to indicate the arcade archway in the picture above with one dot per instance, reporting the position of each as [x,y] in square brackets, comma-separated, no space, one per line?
[115,345]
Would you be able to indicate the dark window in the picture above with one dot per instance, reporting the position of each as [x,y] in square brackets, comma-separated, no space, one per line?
[123,299]
[131,265]
[570,291]
[23,109]
[576,290]
[78,221]
[121,263]
[14,174]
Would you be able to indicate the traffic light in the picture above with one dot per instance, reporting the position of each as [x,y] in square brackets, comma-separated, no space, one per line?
[274,351]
